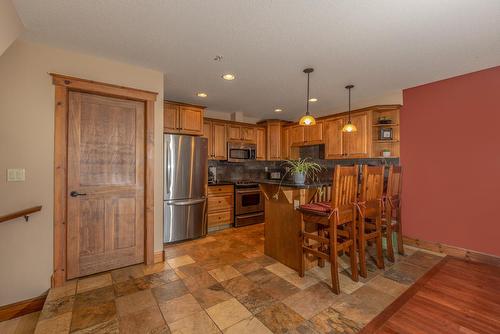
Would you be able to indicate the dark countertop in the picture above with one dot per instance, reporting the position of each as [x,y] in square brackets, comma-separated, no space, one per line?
[291,184]
[221,183]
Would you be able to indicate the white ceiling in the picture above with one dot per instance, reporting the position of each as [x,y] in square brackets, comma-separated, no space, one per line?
[380,46]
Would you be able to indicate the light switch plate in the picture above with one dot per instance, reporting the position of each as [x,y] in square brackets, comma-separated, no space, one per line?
[16,175]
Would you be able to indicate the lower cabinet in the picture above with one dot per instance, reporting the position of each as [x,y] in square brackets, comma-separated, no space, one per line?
[220,206]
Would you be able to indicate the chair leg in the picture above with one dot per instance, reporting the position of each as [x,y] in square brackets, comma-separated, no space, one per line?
[321,233]
[401,249]
[352,253]
[390,246]
[380,251]
[333,258]
[302,241]
[362,247]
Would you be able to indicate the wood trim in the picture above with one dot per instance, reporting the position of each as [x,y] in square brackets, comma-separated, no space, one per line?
[390,310]
[458,252]
[21,308]
[234,122]
[22,213]
[159,257]
[89,86]
[185,104]
[63,85]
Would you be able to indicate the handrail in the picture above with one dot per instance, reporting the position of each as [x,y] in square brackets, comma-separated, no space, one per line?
[23,213]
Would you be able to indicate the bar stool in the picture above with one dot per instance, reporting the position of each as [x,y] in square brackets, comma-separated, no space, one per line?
[391,221]
[328,217]
[370,208]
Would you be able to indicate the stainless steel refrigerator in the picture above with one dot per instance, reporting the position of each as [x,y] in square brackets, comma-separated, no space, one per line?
[184,190]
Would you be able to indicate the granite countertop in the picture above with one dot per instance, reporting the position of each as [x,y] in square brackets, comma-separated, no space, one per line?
[291,184]
[221,183]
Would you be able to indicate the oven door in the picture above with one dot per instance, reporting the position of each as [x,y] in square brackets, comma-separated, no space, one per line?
[249,201]
[249,219]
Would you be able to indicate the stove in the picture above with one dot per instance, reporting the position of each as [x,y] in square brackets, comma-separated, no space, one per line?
[246,184]
[249,203]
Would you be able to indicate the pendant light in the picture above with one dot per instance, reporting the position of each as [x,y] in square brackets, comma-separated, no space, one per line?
[349,127]
[307,119]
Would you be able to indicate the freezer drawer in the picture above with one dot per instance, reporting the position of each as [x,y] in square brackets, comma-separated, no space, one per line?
[184,219]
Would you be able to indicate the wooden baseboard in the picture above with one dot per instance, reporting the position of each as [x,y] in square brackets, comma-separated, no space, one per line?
[159,257]
[463,253]
[23,307]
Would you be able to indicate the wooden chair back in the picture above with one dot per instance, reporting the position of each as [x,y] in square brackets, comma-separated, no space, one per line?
[345,187]
[323,194]
[394,183]
[372,184]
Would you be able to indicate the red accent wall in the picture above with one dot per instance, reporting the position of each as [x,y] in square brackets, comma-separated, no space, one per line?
[450,152]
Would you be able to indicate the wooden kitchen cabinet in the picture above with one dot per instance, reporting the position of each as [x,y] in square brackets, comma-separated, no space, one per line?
[314,133]
[220,206]
[334,139]
[261,143]
[339,144]
[241,133]
[285,143]
[297,135]
[219,141]
[180,118]
[274,138]
[215,132]
[356,143]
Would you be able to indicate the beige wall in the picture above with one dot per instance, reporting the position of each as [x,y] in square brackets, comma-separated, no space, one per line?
[10,25]
[27,141]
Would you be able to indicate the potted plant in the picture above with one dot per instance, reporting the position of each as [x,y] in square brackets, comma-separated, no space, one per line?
[302,169]
[386,153]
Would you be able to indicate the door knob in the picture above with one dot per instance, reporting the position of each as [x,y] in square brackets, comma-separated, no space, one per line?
[76,194]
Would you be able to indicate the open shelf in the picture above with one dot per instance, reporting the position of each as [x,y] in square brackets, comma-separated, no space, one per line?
[386,141]
[382,125]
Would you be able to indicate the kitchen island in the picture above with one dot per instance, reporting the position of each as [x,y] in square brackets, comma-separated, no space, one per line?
[283,222]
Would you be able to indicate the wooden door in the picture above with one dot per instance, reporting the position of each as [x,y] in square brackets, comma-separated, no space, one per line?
[219,141]
[314,133]
[191,120]
[233,132]
[334,143]
[261,144]
[207,133]
[248,133]
[297,135]
[274,141]
[170,118]
[105,200]
[357,142]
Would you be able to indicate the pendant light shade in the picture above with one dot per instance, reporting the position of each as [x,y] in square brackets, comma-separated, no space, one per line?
[307,119]
[349,127]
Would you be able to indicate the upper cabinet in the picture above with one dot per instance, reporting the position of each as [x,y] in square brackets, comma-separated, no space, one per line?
[306,135]
[261,143]
[274,139]
[182,118]
[340,144]
[241,133]
[217,141]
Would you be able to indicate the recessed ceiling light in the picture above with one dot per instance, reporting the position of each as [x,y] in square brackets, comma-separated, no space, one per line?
[278,110]
[202,95]
[228,76]
[313,99]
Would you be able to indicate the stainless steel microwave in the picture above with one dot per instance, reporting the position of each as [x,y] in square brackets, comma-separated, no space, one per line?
[240,152]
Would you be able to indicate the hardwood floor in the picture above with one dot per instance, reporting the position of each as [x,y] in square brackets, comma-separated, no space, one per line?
[455,296]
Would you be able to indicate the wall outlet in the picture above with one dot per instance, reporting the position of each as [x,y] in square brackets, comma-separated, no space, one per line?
[296,204]
[266,169]
[16,175]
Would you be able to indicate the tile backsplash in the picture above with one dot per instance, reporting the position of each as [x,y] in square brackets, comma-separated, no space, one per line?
[251,170]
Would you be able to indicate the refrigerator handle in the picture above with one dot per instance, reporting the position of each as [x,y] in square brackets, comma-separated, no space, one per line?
[186,202]
[167,167]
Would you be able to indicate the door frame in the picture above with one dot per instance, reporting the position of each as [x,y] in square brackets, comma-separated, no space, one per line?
[63,86]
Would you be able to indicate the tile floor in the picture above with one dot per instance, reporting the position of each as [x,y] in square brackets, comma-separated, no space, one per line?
[222,284]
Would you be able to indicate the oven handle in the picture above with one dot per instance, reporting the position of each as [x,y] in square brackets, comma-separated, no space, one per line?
[250,215]
[238,191]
